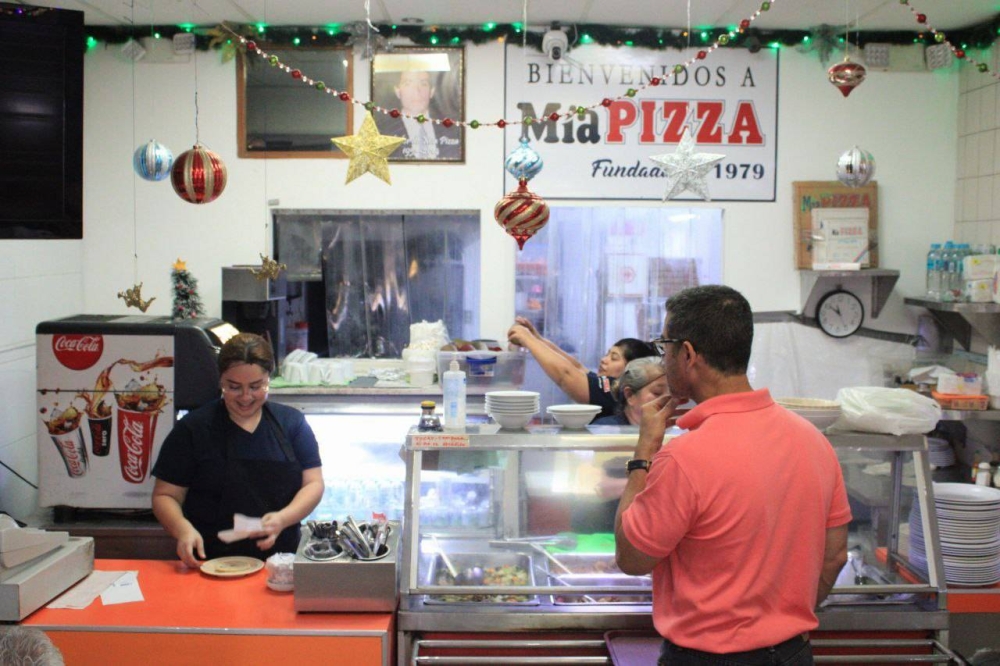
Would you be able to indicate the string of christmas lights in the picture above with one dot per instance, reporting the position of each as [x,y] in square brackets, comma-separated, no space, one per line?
[941,38]
[251,46]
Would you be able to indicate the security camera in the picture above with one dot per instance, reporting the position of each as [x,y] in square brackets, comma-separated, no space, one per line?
[555,43]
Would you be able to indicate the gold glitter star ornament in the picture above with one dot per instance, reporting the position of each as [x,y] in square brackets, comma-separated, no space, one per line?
[368,150]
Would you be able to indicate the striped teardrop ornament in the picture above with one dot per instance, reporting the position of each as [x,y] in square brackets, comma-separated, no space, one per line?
[198,176]
[152,161]
[521,213]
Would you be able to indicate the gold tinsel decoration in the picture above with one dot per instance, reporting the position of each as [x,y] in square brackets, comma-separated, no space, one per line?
[133,298]
[269,268]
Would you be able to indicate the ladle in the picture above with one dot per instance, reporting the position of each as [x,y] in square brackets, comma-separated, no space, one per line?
[468,576]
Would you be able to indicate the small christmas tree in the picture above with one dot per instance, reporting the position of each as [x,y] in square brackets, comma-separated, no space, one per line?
[187,302]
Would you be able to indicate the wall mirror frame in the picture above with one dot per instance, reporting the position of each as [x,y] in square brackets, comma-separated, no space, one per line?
[282,117]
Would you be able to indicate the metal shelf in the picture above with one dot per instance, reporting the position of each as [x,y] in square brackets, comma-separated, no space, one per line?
[960,320]
[882,280]
[970,415]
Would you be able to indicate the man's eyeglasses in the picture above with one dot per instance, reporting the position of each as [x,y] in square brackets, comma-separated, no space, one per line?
[661,344]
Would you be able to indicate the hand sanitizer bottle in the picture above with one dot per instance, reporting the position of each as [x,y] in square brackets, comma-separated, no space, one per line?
[454,397]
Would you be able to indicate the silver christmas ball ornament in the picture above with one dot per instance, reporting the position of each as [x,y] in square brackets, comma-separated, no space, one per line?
[856,167]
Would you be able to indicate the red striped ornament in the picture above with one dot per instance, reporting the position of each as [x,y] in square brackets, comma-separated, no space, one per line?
[198,176]
[521,213]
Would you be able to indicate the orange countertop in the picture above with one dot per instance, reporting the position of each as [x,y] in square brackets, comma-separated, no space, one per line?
[179,597]
[191,618]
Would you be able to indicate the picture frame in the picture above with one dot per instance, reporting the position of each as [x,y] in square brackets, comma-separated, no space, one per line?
[808,195]
[421,81]
[278,116]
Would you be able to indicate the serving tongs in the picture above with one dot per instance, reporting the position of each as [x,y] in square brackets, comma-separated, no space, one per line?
[469,576]
[534,545]
[353,532]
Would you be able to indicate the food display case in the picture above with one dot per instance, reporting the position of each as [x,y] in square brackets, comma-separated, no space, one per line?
[531,577]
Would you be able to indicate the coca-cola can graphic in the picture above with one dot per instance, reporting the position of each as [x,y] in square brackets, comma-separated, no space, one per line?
[73,451]
[135,443]
[100,435]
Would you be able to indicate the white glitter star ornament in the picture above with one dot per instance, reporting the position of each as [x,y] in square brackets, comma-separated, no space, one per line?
[686,169]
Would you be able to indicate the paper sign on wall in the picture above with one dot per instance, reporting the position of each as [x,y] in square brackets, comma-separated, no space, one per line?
[840,236]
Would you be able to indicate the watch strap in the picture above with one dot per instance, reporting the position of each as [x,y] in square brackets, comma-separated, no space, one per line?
[637,463]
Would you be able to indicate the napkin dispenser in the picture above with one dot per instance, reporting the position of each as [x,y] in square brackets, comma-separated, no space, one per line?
[21,544]
[26,587]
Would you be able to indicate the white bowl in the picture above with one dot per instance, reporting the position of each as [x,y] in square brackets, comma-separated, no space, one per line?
[574,416]
[512,421]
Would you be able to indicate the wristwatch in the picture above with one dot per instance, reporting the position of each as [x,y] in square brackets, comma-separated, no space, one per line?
[636,463]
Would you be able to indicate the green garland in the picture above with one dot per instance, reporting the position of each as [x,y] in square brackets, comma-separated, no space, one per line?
[977,36]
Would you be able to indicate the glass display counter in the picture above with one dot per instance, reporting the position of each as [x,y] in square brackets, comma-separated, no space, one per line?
[527,562]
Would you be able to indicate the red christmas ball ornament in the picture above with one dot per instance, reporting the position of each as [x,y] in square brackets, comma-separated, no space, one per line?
[296,74]
[921,18]
[655,81]
[702,55]
[847,76]
[344,97]
[394,113]
[554,116]
[251,46]
[745,23]
[198,175]
[447,122]
[959,53]
[606,102]
[501,123]
[521,213]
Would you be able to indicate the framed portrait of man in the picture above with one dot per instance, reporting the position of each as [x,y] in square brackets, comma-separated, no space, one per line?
[428,82]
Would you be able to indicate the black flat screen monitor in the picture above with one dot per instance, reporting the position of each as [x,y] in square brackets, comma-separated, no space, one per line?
[41,122]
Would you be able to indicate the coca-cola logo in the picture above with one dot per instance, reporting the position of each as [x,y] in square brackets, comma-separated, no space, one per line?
[78,351]
[133,463]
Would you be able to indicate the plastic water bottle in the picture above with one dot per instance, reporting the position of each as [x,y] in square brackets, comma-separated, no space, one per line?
[948,266]
[934,272]
[958,288]
[453,386]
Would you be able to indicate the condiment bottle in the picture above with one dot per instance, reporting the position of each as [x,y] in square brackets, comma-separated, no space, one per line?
[429,420]
[983,475]
[454,397]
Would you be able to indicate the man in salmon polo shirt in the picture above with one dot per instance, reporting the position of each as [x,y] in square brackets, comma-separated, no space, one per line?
[743,519]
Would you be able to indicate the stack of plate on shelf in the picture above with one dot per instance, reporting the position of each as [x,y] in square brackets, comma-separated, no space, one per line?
[512,409]
[941,453]
[969,524]
[821,413]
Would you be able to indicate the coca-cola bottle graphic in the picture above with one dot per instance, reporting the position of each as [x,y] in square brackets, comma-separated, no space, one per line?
[64,428]
[138,408]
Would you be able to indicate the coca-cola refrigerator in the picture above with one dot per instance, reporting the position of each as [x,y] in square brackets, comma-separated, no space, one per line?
[109,388]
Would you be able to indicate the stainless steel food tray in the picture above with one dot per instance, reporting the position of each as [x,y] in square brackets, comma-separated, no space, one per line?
[629,584]
[597,564]
[462,561]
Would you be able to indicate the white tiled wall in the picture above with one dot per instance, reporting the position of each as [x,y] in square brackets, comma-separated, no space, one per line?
[977,190]
[39,280]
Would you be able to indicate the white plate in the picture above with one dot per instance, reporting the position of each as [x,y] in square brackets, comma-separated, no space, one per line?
[512,394]
[966,492]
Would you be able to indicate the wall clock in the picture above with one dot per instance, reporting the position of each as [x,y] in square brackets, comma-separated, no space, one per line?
[840,313]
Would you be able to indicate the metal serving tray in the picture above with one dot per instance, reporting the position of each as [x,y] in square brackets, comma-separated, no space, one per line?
[597,564]
[462,561]
[627,583]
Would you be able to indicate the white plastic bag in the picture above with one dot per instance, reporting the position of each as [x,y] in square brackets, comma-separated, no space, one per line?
[886,410]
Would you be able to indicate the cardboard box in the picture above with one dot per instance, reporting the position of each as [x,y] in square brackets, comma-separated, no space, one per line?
[967,402]
[30,586]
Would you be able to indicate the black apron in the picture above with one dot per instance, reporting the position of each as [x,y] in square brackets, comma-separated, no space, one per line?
[250,487]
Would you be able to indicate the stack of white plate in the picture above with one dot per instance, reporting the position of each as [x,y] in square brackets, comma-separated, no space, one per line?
[821,413]
[512,409]
[940,452]
[969,524]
